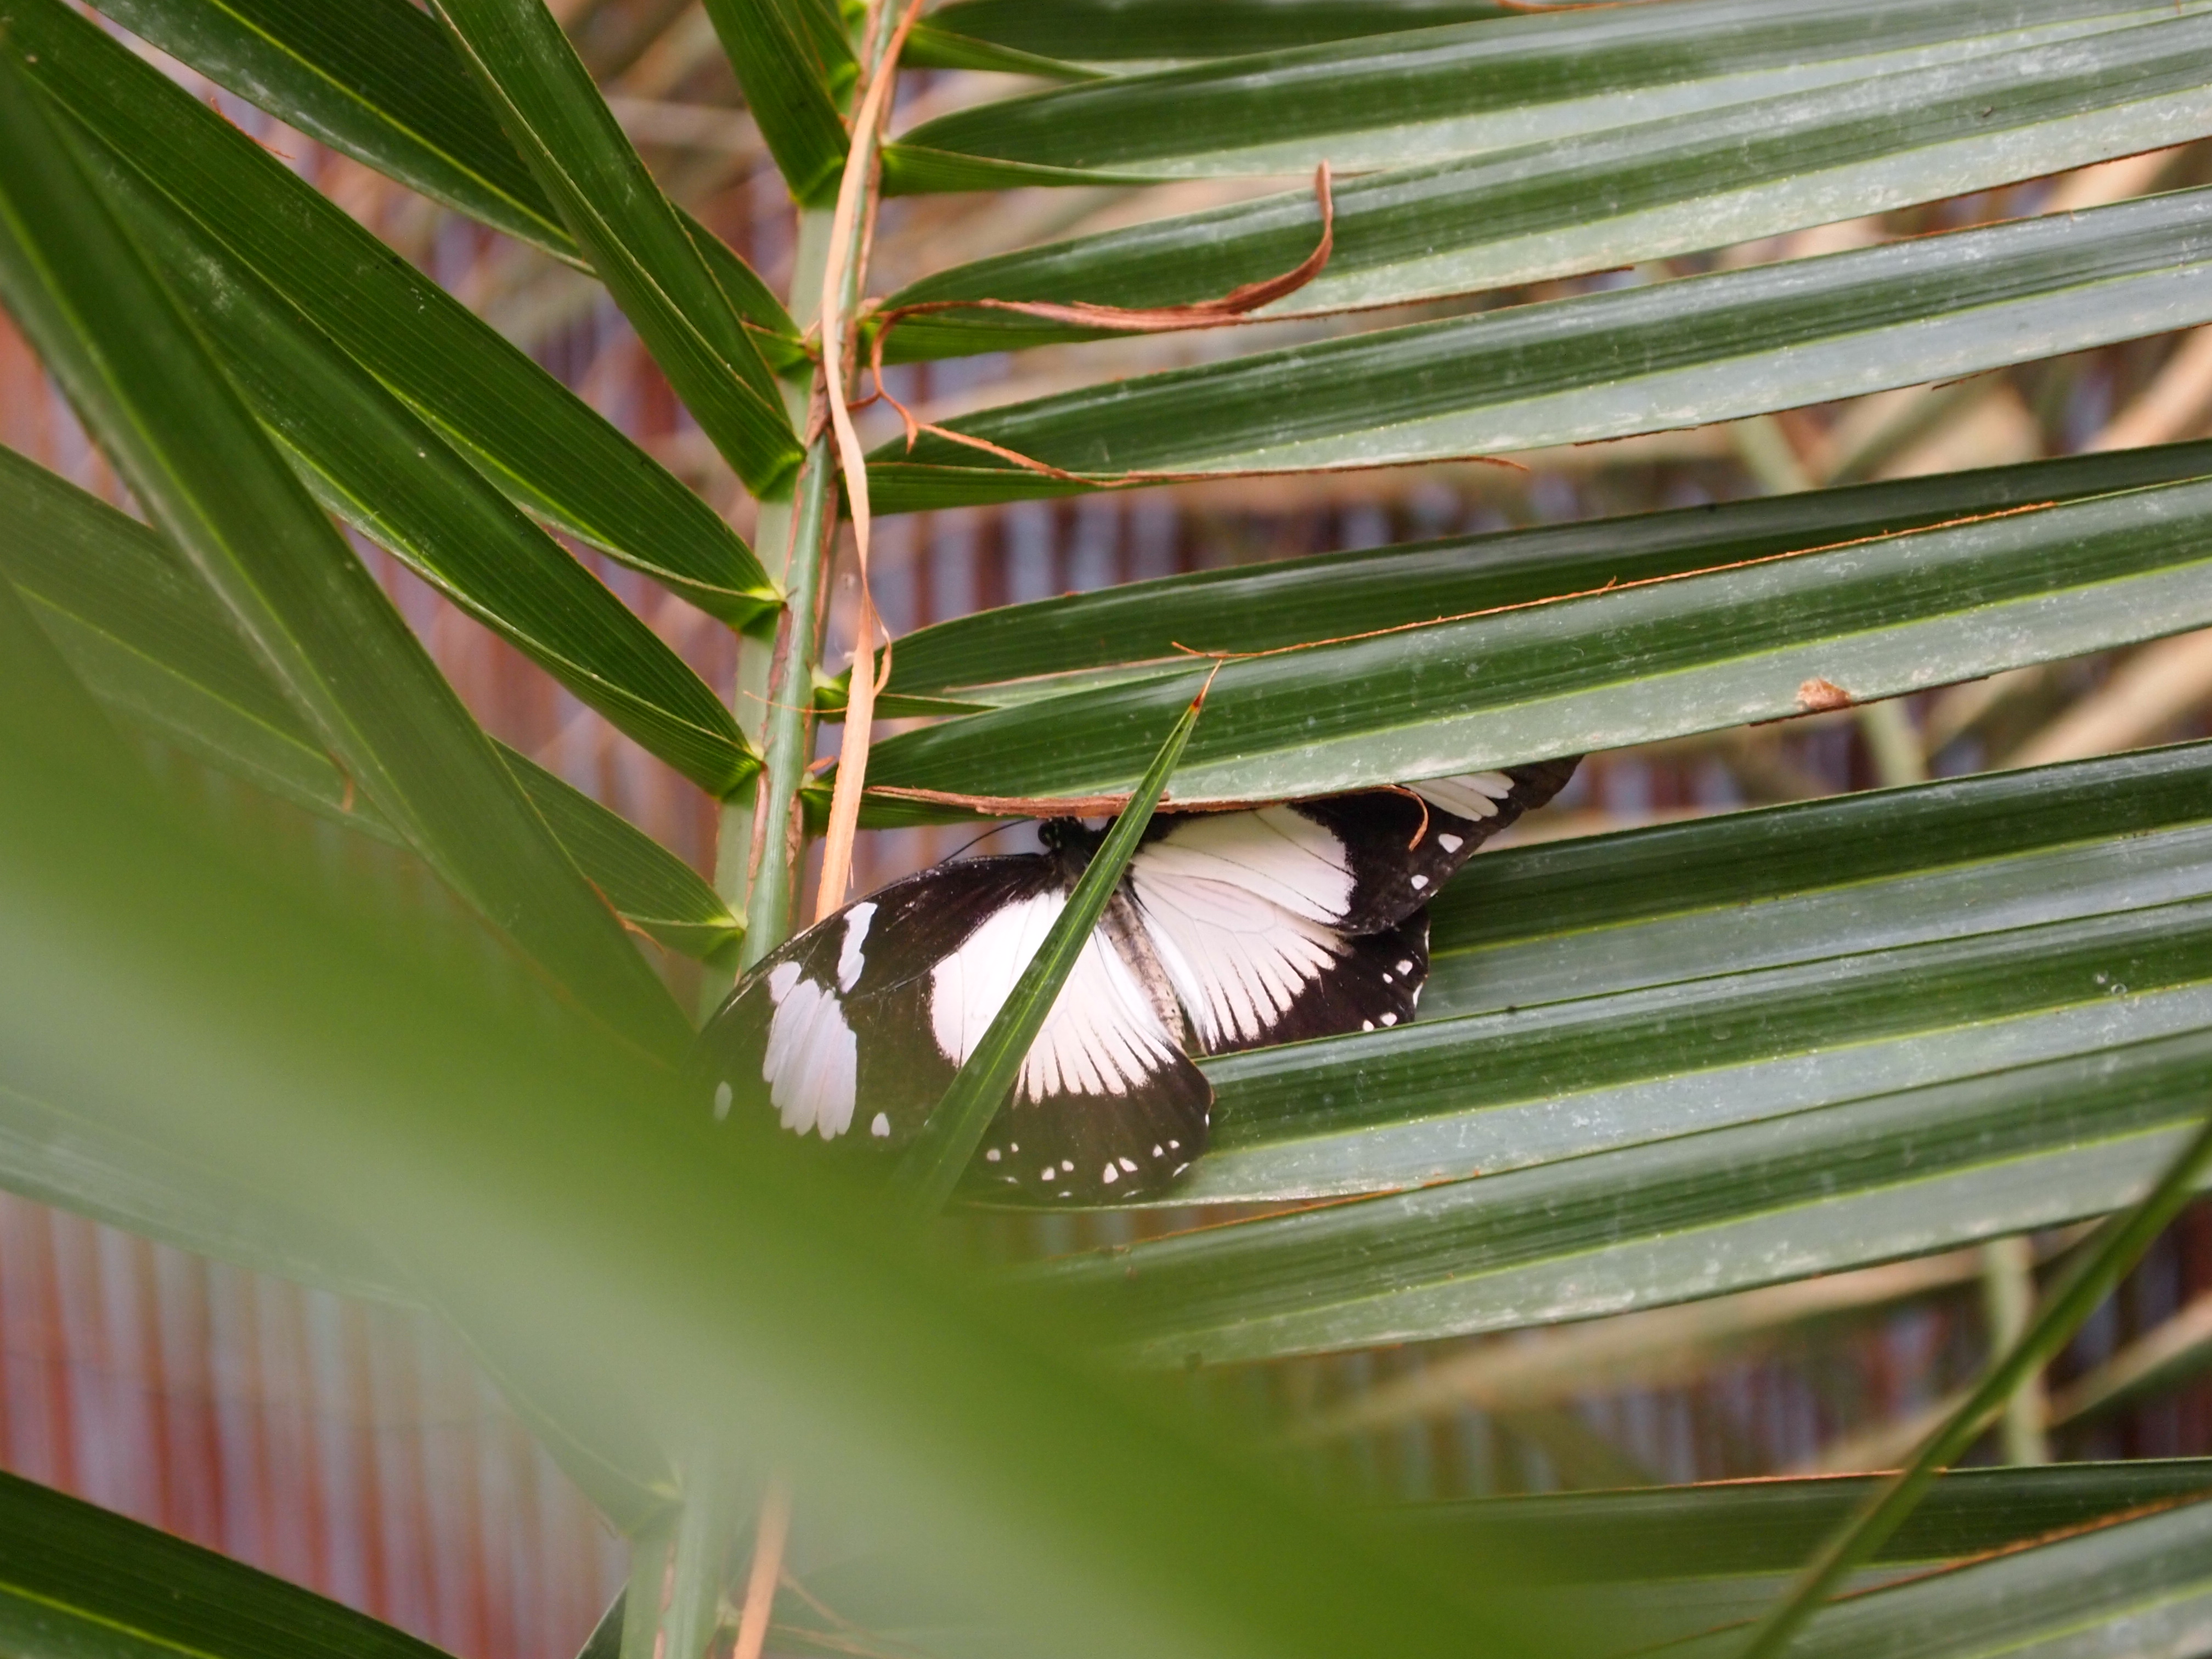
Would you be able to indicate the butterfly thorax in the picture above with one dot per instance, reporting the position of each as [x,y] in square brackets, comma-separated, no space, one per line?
[1072,843]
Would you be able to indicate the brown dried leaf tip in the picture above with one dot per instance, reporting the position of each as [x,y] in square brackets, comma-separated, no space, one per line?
[1817,696]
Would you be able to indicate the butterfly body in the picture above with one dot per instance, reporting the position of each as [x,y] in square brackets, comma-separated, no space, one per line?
[1228,931]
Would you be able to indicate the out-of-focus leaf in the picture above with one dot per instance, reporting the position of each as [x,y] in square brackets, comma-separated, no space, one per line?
[143,383]
[1396,100]
[537,1183]
[149,640]
[790,73]
[1756,641]
[378,80]
[549,107]
[536,439]
[1607,364]
[61,1157]
[1292,601]
[78,1580]
[392,477]
[1106,31]
[2174,1352]
[1602,200]
[2138,1586]
[58,1156]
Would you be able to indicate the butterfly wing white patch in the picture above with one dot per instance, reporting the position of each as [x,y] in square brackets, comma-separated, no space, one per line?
[1236,959]
[1250,971]
[812,1063]
[1471,795]
[1278,853]
[1106,1105]
[1103,1036]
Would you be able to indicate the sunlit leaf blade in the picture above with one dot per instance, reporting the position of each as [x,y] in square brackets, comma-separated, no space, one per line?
[1868,970]
[378,80]
[392,477]
[372,78]
[1769,1526]
[1393,100]
[549,107]
[930,47]
[932,1166]
[1756,641]
[1919,1017]
[1620,196]
[2089,1276]
[2138,1586]
[539,1184]
[78,1580]
[145,384]
[1607,364]
[1784,1197]
[648,884]
[1681,1561]
[150,641]
[1114,30]
[1607,993]
[786,73]
[532,437]
[1294,601]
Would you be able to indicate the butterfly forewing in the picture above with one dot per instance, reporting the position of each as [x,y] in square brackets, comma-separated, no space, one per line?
[852,1031]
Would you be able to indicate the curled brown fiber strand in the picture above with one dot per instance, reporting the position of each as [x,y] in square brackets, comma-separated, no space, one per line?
[1140,319]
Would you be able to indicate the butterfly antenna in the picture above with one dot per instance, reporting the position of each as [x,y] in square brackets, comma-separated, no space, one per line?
[996,828]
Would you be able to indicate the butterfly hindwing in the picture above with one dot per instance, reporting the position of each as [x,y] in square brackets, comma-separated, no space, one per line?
[831,1032]
[1105,1082]
[1402,846]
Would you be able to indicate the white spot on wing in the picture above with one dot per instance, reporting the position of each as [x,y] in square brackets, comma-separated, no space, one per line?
[1406,966]
[1451,843]
[813,1064]
[850,962]
[1109,1175]
[880,1127]
[1128,1163]
[991,1156]
[1419,882]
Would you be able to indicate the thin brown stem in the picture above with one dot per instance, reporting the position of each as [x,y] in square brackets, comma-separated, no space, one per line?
[768,1539]
[841,281]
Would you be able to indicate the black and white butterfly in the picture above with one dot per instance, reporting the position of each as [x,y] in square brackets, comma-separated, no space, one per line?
[1229,931]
